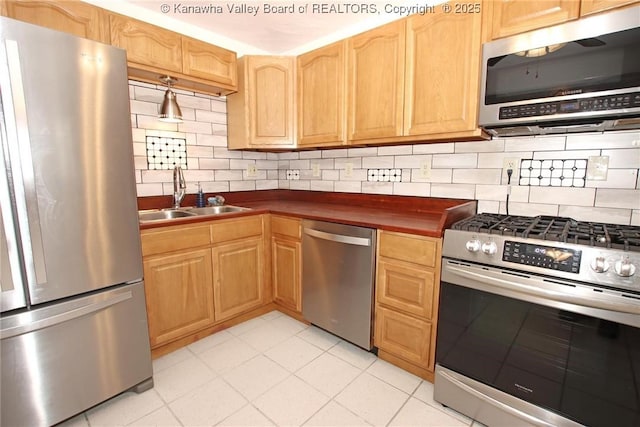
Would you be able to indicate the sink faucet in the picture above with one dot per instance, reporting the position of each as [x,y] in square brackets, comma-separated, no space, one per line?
[179,186]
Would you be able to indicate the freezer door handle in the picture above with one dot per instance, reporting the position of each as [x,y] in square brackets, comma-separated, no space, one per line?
[19,145]
[25,328]
[349,240]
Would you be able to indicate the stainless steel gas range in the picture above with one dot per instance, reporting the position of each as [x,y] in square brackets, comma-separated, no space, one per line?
[539,322]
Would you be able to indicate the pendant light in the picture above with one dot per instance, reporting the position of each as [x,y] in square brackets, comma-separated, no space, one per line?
[170,110]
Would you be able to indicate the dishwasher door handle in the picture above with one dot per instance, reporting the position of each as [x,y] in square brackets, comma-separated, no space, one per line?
[340,238]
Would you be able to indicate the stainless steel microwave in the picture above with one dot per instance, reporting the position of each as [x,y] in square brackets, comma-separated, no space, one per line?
[579,76]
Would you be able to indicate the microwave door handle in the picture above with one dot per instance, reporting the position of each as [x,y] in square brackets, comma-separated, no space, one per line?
[19,147]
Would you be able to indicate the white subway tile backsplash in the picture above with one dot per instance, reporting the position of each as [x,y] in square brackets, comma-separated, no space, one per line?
[412,189]
[454,191]
[434,148]
[242,185]
[542,143]
[615,198]
[562,196]
[195,127]
[580,213]
[469,170]
[476,176]
[395,150]
[617,178]
[608,140]
[451,161]
[479,147]
[378,162]
[623,159]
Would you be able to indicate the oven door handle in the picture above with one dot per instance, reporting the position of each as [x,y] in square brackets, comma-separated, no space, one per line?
[592,301]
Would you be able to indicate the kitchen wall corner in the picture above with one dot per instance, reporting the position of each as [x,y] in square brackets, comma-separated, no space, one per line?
[469,170]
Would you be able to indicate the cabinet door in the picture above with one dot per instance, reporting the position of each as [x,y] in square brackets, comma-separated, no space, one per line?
[588,7]
[517,16]
[322,96]
[443,73]
[404,336]
[286,276]
[200,59]
[238,277]
[270,82]
[74,17]
[179,294]
[146,44]
[405,287]
[376,82]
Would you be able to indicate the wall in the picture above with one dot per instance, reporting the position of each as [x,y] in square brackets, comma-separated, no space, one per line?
[470,170]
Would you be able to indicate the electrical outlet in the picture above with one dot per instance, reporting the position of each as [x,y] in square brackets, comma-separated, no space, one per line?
[348,170]
[252,171]
[315,170]
[425,169]
[597,168]
[512,163]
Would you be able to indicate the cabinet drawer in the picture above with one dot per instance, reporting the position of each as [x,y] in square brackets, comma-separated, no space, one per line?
[160,240]
[403,336]
[407,247]
[222,231]
[405,287]
[286,226]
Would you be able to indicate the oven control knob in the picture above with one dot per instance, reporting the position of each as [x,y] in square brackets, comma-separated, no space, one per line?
[489,248]
[473,245]
[624,268]
[599,265]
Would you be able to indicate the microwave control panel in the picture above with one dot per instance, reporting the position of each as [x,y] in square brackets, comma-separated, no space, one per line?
[569,106]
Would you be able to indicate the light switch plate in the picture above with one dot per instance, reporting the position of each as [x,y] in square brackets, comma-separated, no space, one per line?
[597,168]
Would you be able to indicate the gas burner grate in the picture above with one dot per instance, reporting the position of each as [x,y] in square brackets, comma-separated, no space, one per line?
[557,229]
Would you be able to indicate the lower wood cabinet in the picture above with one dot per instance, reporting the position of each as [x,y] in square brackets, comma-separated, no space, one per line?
[199,275]
[238,277]
[179,294]
[286,265]
[407,292]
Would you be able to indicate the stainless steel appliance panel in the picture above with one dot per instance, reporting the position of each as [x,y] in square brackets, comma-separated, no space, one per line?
[338,267]
[101,348]
[69,142]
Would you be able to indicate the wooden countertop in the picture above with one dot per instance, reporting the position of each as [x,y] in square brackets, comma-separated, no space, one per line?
[416,215]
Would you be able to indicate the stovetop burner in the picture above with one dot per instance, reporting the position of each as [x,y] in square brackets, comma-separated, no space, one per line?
[558,229]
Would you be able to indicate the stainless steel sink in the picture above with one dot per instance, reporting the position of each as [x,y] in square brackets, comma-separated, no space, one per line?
[217,210]
[162,215]
[168,214]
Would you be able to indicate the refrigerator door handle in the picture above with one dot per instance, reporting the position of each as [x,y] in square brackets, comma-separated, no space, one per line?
[19,144]
[15,330]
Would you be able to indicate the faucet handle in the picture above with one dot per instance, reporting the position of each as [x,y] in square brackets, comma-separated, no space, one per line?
[216,201]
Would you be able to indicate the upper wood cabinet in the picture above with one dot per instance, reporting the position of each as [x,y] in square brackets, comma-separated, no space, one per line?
[517,16]
[376,82]
[153,51]
[74,17]
[588,7]
[262,113]
[200,59]
[146,44]
[442,74]
[321,94]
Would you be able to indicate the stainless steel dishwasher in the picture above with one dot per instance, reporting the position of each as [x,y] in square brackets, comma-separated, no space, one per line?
[338,267]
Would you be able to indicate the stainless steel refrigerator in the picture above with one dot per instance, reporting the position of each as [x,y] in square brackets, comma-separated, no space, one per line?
[73,325]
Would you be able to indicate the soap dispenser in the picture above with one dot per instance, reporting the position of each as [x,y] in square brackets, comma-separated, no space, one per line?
[200,202]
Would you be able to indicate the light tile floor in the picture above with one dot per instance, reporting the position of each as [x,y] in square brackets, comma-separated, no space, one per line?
[274,370]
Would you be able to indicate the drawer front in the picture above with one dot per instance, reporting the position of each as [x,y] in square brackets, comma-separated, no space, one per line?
[407,247]
[403,336]
[233,229]
[405,287]
[159,241]
[286,226]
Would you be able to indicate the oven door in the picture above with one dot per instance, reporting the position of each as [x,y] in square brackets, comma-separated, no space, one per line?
[505,334]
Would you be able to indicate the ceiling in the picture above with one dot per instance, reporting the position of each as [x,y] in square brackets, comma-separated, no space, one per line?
[263,26]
